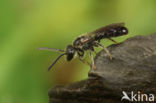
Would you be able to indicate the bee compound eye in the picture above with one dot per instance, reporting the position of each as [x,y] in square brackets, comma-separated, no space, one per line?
[70,55]
[70,49]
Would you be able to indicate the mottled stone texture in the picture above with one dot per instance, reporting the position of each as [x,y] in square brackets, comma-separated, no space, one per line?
[133,68]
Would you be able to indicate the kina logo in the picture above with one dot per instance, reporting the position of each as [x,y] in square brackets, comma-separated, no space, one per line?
[137,97]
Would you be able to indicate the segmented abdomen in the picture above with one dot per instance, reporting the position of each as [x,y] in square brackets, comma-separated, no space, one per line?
[113,32]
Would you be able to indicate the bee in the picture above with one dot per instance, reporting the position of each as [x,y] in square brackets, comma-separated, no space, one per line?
[88,41]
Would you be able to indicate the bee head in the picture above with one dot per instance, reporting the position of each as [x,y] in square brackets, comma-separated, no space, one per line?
[70,52]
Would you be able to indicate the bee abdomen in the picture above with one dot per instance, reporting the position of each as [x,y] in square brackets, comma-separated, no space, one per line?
[114,32]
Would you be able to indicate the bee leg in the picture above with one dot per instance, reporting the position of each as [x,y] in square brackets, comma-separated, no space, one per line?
[81,54]
[105,49]
[84,61]
[95,52]
[92,49]
[92,59]
[113,40]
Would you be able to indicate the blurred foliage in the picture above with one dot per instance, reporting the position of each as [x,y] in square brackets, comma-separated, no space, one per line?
[26,25]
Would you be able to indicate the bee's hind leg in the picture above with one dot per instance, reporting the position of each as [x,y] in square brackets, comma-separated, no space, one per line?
[113,40]
[92,59]
[105,49]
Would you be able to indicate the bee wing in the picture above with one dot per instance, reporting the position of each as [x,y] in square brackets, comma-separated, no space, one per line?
[102,29]
[51,49]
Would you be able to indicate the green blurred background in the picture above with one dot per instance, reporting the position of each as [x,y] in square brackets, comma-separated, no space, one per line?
[26,25]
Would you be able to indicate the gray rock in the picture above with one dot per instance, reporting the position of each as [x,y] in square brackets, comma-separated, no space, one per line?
[133,68]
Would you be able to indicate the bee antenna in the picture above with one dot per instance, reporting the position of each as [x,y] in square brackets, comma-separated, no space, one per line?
[56,61]
[51,49]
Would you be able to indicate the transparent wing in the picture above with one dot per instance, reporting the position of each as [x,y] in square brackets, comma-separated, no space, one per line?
[105,28]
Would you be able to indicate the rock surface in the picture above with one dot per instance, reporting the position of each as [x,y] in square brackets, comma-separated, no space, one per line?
[133,68]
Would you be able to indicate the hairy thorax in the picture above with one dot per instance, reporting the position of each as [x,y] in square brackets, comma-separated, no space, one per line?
[83,42]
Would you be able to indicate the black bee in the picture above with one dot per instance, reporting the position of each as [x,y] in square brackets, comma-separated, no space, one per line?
[88,41]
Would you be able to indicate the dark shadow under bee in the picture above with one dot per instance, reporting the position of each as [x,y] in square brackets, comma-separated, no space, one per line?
[89,41]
